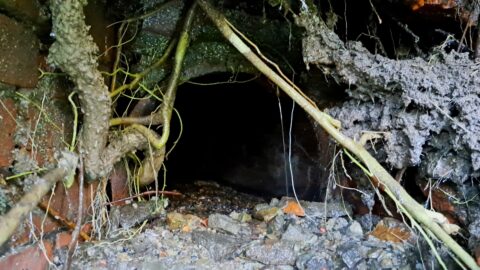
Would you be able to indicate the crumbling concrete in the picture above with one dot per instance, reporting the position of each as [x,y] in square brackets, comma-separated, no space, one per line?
[427,109]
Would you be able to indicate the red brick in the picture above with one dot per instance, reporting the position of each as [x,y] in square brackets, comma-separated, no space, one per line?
[119,184]
[7,126]
[19,49]
[62,239]
[50,130]
[102,34]
[22,9]
[31,258]
[65,201]
[23,234]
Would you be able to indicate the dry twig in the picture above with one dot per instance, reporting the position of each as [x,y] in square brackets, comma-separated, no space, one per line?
[10,221]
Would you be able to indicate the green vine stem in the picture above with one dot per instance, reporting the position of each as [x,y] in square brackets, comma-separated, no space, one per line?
[139,76]
[152,163]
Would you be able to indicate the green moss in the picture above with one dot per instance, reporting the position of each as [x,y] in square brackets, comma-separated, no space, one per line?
[209,52]
[7,91]
[151,48]
[52,117]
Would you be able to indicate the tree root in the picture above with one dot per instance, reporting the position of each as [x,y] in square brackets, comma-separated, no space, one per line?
[75,52]
[412,207]
[139,76]
[44,205]
[9,222]
[150,166]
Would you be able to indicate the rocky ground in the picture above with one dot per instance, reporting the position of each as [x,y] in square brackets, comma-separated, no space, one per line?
[215,227]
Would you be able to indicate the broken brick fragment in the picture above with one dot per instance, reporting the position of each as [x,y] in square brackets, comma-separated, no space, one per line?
[33,257]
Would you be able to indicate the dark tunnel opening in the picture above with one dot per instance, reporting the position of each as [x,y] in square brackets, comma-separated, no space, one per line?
[232,134]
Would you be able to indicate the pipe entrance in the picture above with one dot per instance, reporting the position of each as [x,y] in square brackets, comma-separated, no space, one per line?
[232,134]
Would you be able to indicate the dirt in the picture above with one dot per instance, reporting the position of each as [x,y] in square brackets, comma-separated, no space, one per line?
[221,228]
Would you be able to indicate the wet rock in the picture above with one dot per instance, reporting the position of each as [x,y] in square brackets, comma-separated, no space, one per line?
[276,202]
[160,265]
[186,222]
[238,264]
[355,229]
[368,221]
[278,267]
[242,217]
[219,246]
[326,210]
[374,253]
[474,229]
[129,215]
[227,224]
[315,261]
[144,243]
[388,260]
[278,253]
[335,224]
[276,226]
[295,233]
[265,212]
[287,242]
[350,254]
[388,256]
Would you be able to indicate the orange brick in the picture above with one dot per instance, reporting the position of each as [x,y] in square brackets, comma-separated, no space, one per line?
[8,125]
[62,240]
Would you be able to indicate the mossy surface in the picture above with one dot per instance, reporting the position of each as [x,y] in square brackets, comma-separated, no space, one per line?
[209,52]
[43,118]
[4,202]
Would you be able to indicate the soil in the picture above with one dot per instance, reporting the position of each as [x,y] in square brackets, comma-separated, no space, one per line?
[216,227]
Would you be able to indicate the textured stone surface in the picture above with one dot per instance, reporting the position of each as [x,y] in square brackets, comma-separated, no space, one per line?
[227,224]
[278,253]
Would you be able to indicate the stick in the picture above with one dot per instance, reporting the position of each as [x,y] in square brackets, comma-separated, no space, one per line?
[10,221]
[78,226]
[151,166]
[60,218]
